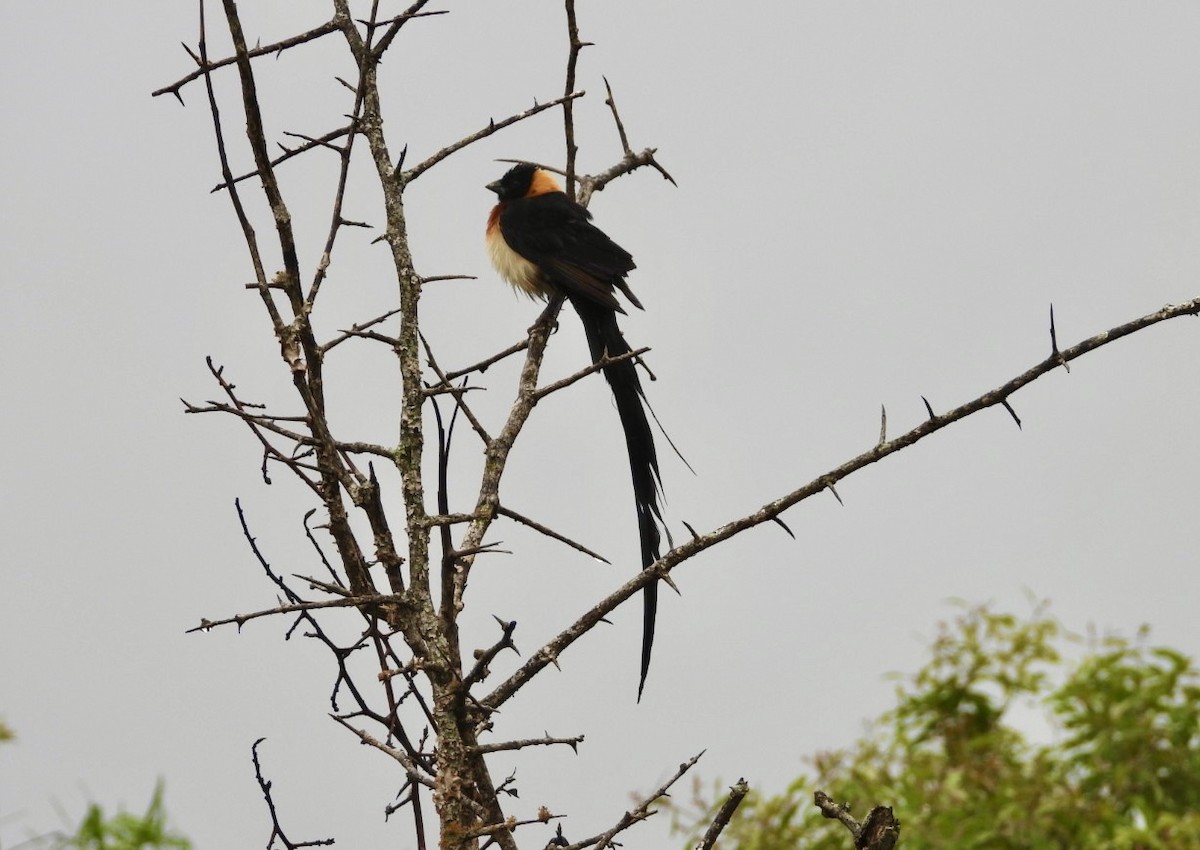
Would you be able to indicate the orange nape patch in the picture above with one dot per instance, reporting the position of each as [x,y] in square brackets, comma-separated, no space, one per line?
[493,218]
[542,183]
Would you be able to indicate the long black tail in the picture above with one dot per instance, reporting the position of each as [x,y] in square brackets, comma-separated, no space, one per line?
[605,337]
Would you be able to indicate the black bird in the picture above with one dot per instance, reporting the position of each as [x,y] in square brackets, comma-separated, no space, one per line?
[543,243]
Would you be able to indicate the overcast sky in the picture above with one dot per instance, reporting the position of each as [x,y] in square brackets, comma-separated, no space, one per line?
[876,202]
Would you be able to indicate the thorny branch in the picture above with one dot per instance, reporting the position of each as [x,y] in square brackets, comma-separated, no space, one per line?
[639,813]
[429,683]
[771,511]
[276,829]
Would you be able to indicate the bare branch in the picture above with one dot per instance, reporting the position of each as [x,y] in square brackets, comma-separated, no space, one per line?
[611,103]
[604,362]
[289,153]
[639,813]
[485,657]
[276,829]
[721,820]
[574,48]
[396,23]
[997,397]
[260,274]
[345,602]
[880,831]
[492,127]
[445,380]
[588,186]
[482,365]
[415,774]
[545,741]
[507,826]
[275,47]
[356,329]
[549,532]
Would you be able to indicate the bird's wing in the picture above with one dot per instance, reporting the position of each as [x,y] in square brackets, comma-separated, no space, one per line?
[556,235]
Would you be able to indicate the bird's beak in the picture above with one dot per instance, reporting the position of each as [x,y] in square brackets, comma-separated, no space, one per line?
[494,186]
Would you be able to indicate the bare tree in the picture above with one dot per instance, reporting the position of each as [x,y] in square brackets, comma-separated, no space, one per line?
[427,701]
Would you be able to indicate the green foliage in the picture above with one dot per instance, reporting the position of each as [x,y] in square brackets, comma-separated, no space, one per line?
[959,773]
[124,831]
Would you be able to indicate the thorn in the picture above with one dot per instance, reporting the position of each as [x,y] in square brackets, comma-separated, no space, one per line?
[1055,353]
[688,526]
[834,491]
[928,409]
[1011,412]
[882,424]
[783,525]
[670,582]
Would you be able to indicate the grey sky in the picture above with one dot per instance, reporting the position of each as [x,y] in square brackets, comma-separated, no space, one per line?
[876,202]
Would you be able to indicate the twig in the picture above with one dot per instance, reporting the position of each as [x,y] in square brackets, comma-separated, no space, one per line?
[275,578]
[444,382]
[880,831]
[414,773]
[492,127]
[604,362]
[207,67]
[357,328]
[574,48]
[549,532]
[260,275]
[611,103]
[588,186]
[485,657]
[639,812]
[736,794]
[344,602]
[396,23]
[506,826]
[544,741]
[482,365]
[277,830]
[289,153]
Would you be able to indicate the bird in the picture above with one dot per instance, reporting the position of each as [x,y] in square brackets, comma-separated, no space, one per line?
[544,244]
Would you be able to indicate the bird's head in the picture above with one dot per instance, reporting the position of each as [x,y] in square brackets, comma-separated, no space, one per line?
[524,180]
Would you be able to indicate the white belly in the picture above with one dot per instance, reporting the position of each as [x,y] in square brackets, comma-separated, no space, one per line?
[521,274]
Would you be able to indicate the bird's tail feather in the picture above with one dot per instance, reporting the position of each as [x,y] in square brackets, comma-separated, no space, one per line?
[605,337]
